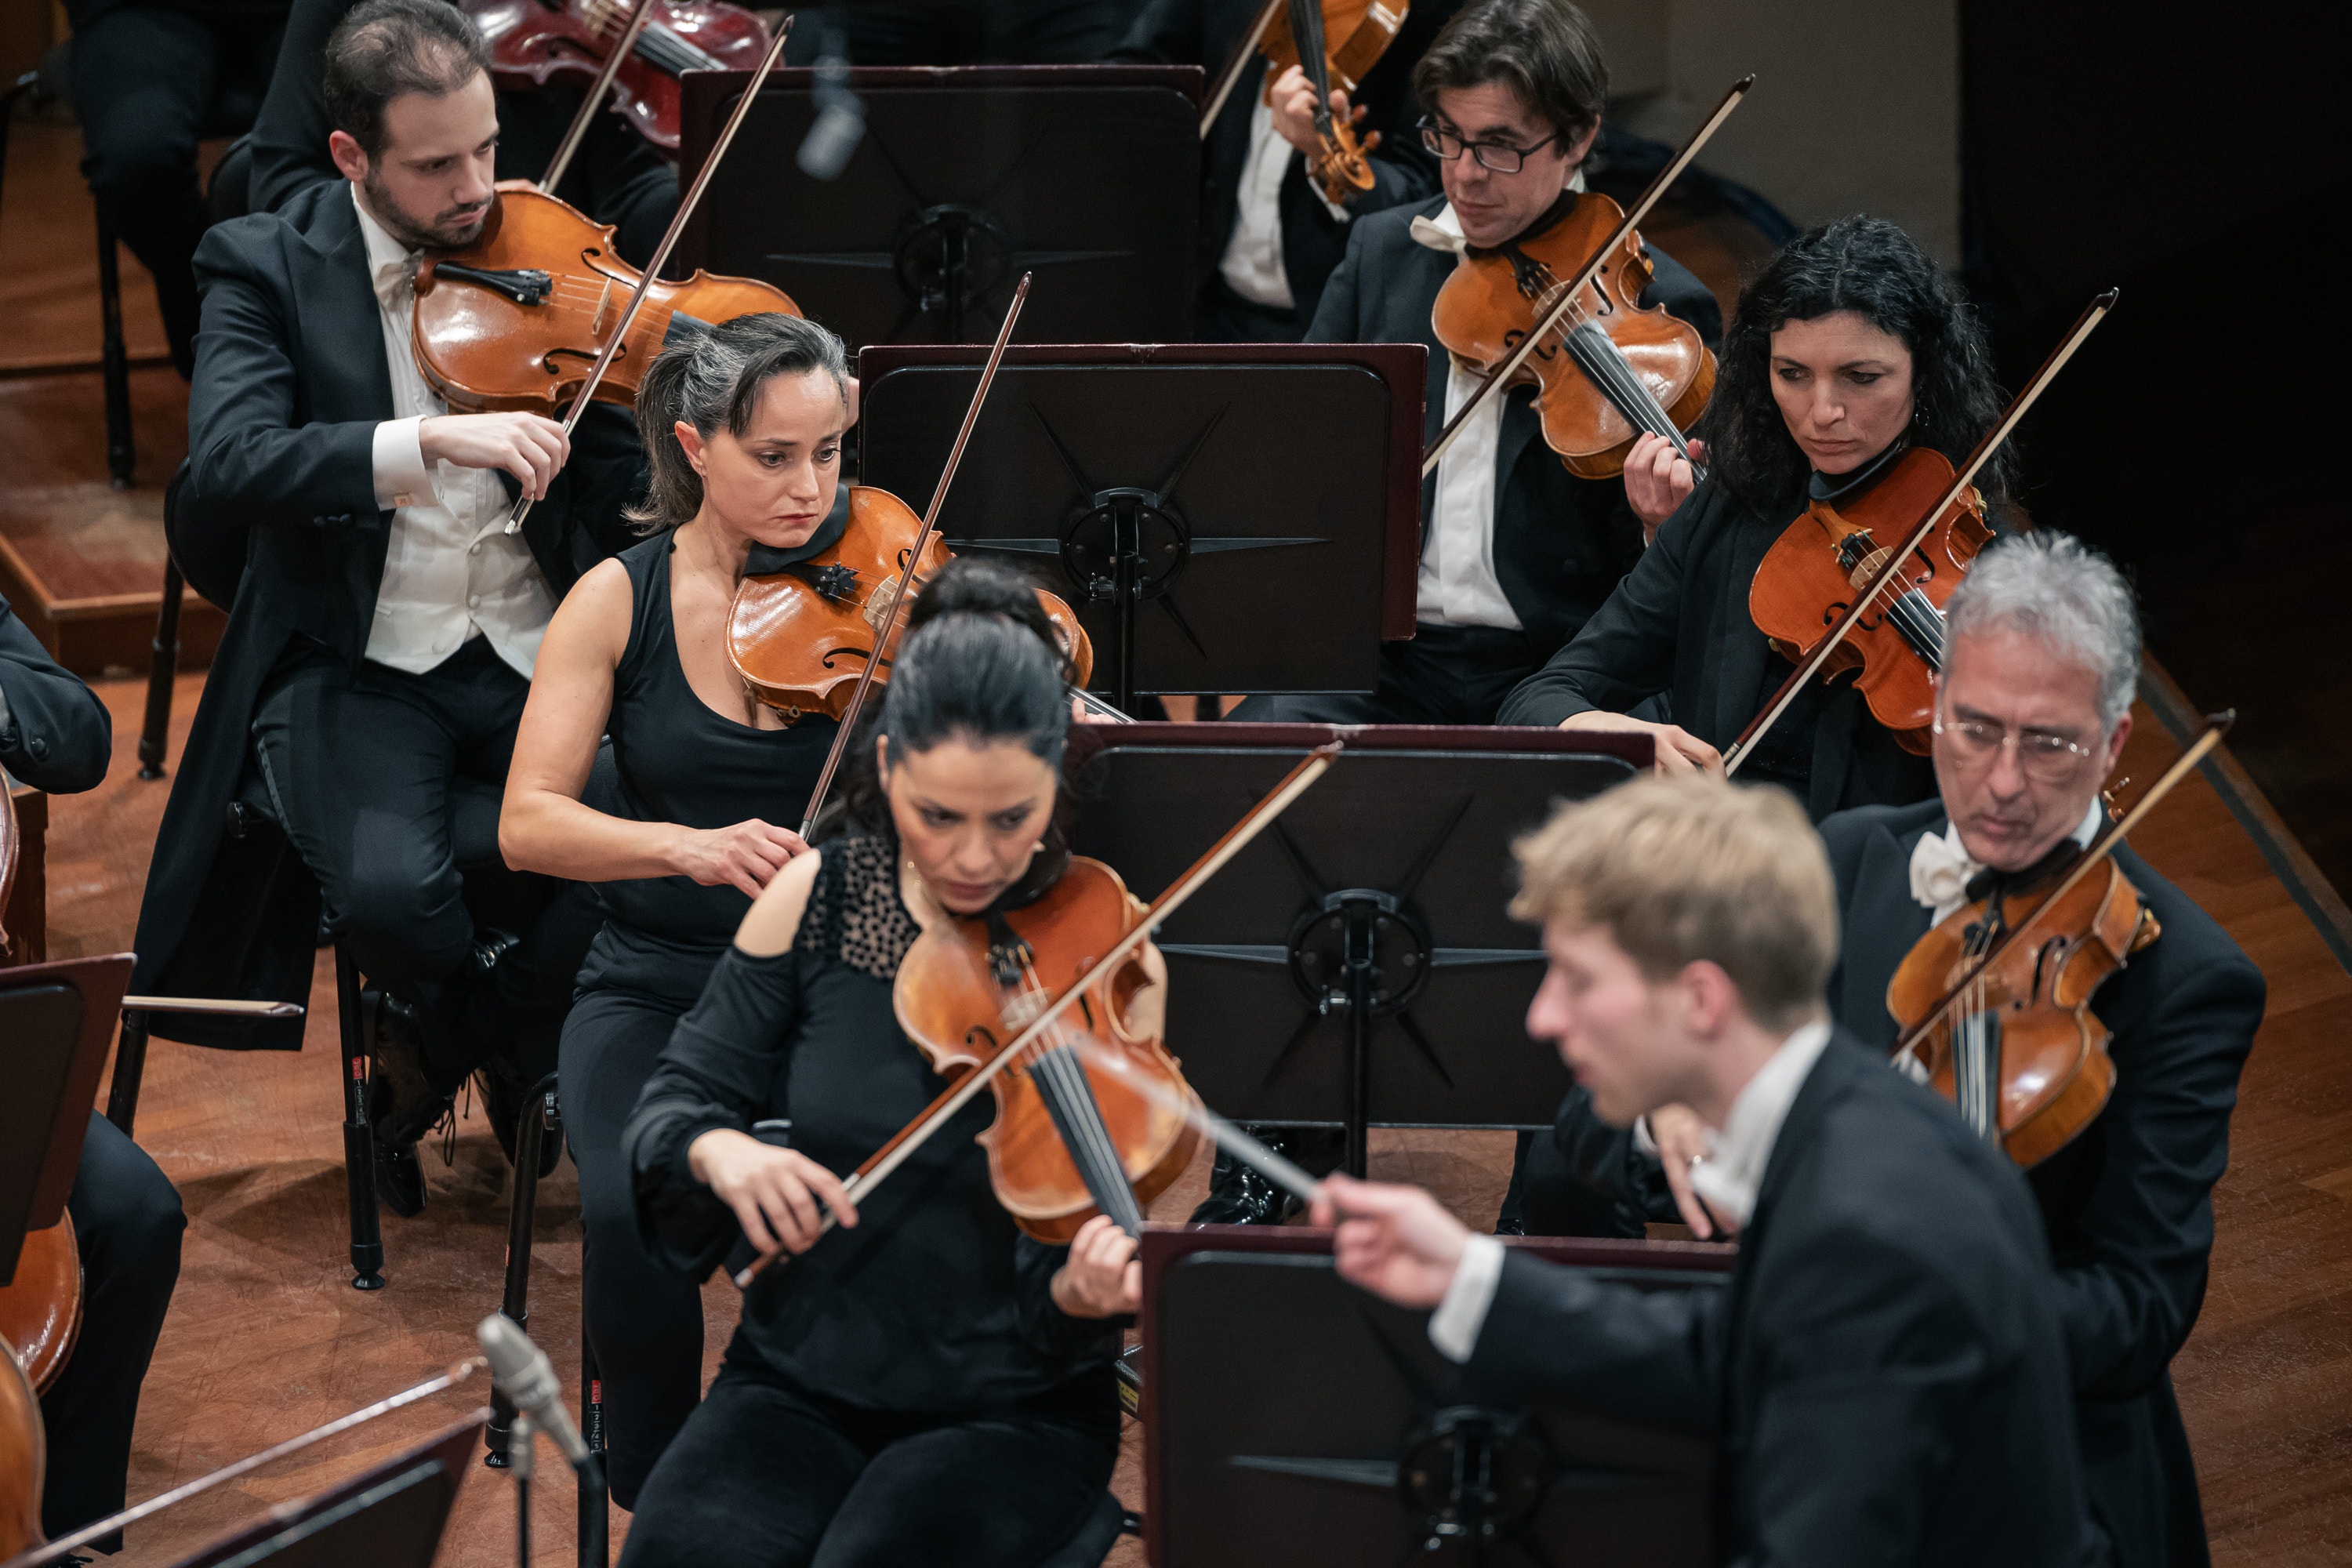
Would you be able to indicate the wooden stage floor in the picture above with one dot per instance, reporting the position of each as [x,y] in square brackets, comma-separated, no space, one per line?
[267,1338]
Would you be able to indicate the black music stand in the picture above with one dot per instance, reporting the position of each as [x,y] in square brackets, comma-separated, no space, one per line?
[967,177]
[1225,517]
[1356,966]
[55,1021]
[1291,1420]
[390,1515]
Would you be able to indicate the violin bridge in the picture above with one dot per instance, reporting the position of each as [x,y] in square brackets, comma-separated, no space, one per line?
[878,605]
[604,313]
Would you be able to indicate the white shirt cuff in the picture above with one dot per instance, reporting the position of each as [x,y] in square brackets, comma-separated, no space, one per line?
[402,477]
[1645,1141]
[1334,209]
[1453,1327]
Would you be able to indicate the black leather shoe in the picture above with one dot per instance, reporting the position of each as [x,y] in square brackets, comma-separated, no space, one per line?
[506,1100]
[399,1179]
[1239,1195]
[403,1104]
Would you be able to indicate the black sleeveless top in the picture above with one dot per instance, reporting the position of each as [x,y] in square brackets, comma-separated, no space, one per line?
[936,1302]
[681,762]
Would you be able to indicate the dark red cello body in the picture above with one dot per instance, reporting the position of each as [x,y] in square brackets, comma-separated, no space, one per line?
[533,43]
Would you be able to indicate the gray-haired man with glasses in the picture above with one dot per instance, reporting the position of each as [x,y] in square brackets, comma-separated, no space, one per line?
[2031,712]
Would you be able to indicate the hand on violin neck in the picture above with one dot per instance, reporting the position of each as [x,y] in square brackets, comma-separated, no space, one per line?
[1102,1277]
[775,1192]
[1658,480]
[532,448]
[745,857]
[1679,750]
[1292,104]
[1395,1241]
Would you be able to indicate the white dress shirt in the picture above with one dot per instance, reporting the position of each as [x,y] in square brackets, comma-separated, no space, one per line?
[450,570]
[1942,869]
[1728,1179]
[1252,266]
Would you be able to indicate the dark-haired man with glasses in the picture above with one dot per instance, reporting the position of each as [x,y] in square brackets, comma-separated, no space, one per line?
[2031,714]
[1516,552]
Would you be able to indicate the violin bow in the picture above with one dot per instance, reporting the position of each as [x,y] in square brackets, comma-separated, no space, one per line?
[1232,74]
[668,241]
[907,574]
[2215,726]
[578,130]
[1892,567]
[916,1133]
[63,1546]
[1599,258]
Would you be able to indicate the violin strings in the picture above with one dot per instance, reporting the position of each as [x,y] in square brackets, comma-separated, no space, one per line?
[1608,370]
[1062,1079]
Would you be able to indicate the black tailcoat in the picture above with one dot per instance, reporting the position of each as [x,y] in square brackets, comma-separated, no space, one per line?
[55,734]
[2129,1204]
[1562,544]
[291,384]
[1679,623]
[1883,1379]
[1205,33]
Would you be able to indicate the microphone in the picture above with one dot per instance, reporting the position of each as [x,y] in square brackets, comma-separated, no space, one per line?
[525,1375]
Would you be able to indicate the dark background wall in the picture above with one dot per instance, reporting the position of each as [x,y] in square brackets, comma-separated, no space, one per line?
[2204,170]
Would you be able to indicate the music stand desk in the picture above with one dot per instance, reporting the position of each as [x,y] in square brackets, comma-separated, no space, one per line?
[1225,517]
[1292,1420]
[1356,966]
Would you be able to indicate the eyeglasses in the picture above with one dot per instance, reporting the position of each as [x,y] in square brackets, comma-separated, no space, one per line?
[2039,755]
[1499,156]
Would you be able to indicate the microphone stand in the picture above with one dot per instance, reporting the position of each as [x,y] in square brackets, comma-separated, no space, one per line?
[522,1437]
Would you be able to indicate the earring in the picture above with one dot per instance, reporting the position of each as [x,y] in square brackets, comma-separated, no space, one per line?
[1038,847]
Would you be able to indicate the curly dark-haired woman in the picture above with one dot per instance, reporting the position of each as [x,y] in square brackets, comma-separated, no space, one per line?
[1848,348]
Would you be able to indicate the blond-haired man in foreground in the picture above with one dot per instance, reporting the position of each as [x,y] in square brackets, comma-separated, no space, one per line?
[1882,1378]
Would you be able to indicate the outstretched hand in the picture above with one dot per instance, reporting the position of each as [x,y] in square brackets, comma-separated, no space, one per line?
[1396,1242]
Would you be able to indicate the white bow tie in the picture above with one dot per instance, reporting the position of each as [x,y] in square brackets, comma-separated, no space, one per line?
[1437,236]
[1941,871]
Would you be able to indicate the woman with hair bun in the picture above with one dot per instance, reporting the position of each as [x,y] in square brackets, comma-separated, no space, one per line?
[743,427]
[1848,348]
[927,1384]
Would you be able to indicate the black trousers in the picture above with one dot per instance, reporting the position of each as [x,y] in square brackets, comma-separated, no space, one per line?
[1225,317]
[1445,675]
[362,769]
[127,1221]
[146,80]
[643,1320]
[767,1477]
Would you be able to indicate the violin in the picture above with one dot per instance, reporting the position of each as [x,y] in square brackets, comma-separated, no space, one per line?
[1994,1003]
[1299,33]
[518,319]
[1831,577]
[2022,1056]
[1814,569]
[535,42]
[799,639]
[1560,308]
[981,1001]
[1608,369]
[1071,1138]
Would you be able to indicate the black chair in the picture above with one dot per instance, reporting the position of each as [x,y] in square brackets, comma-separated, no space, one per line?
[474,837]
[232,114]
